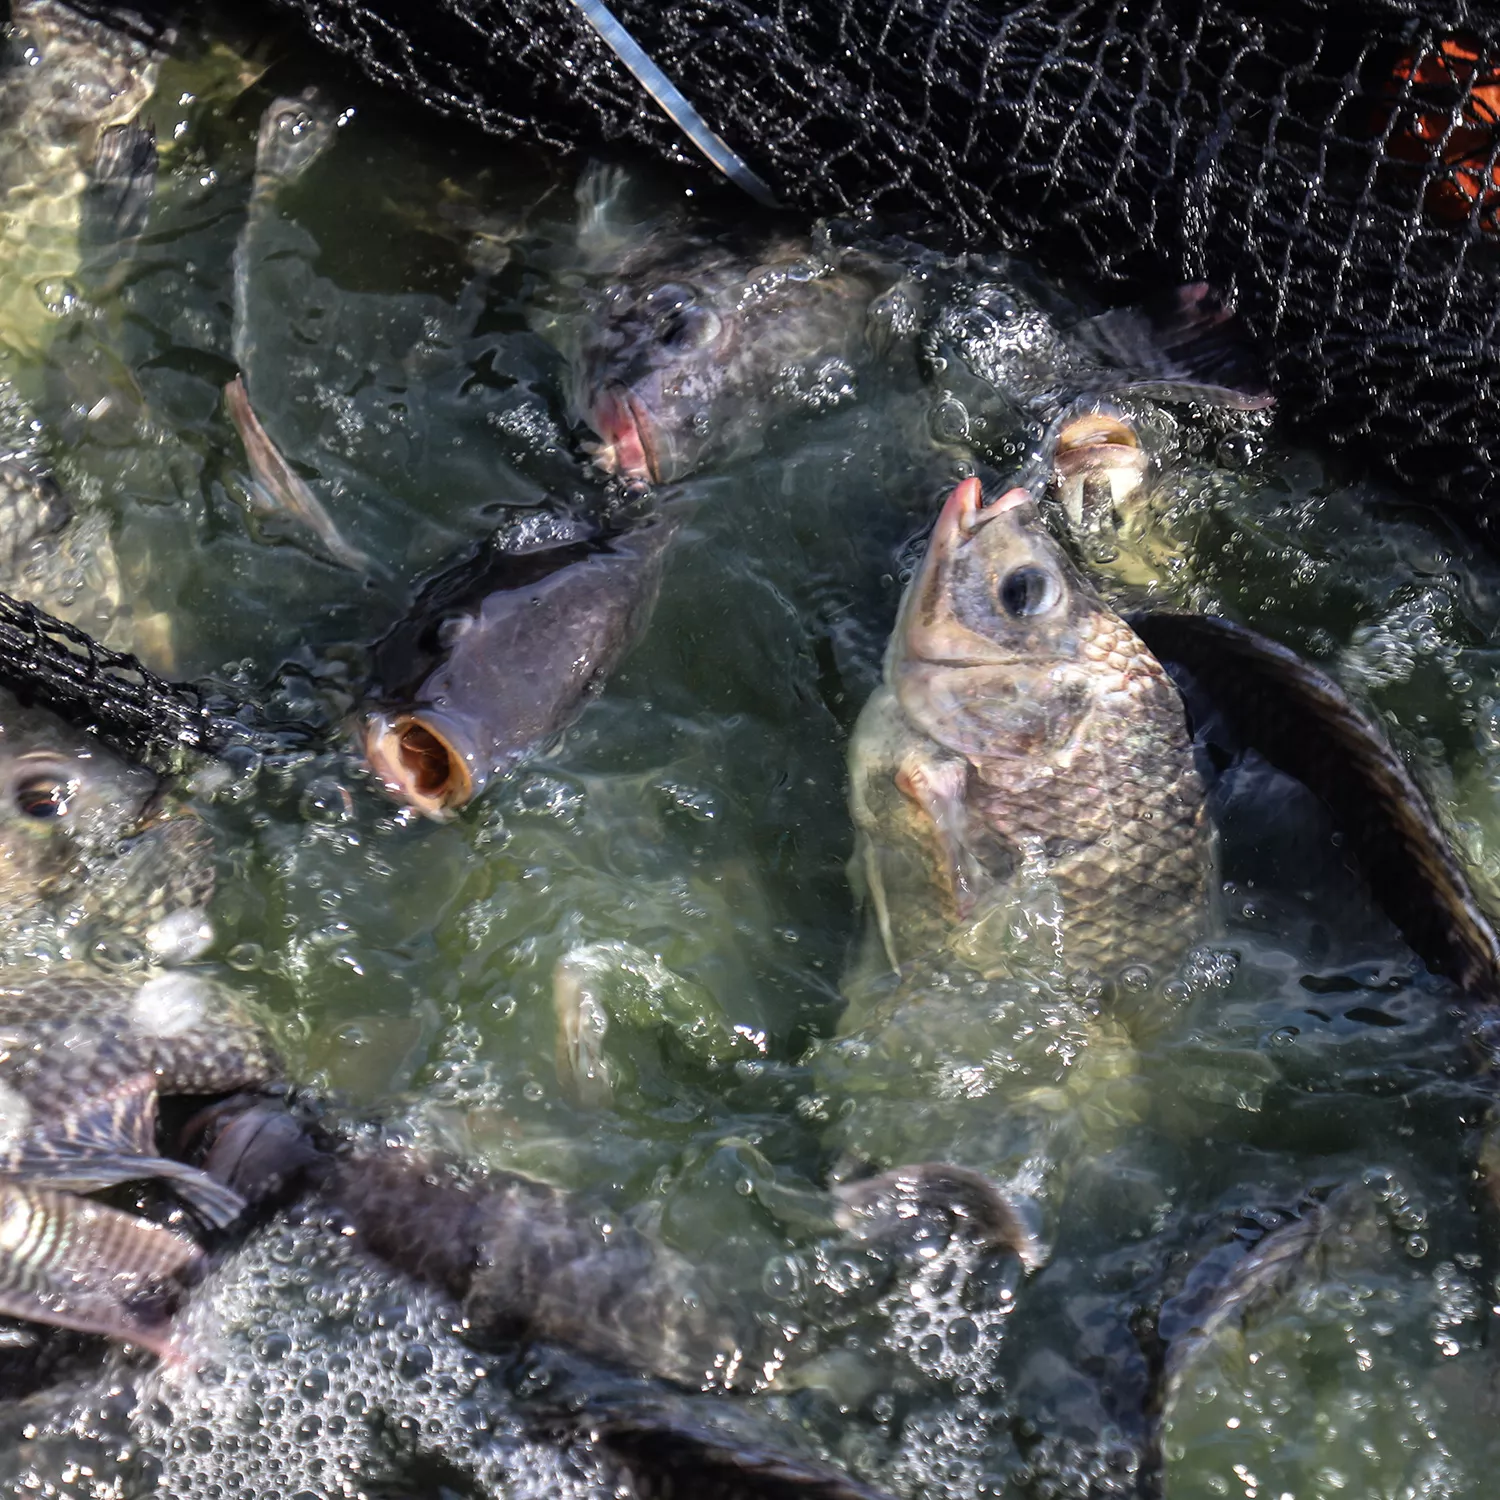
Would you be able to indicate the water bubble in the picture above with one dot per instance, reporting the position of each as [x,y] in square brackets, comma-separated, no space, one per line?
[327,801]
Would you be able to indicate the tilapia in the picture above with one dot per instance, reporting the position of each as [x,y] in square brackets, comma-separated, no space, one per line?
[1024,735]
[93,848]
[84,1059]
[1114,409]
[500,653]
[689,350]
[70,81]
[294,133]
[98,861]
[63,560]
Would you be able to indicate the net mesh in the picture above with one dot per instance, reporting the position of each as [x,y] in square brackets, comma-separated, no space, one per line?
[47,661]
[1331,165]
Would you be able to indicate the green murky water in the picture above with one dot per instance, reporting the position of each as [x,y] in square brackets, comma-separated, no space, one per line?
[686,841]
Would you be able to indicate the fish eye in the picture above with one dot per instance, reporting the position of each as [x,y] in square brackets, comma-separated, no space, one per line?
[1028,591]
[43,797]
[687,328]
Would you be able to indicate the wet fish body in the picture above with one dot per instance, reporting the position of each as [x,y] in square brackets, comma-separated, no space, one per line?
[89,842]
[276,491]
[499,654]
[70,80]
[294,133]
[58,558]
[83,1062]
[690,350]
[1025,734]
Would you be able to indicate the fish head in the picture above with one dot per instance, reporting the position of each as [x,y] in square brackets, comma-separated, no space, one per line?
[91,836]
[652,373]
[695,363]
[1003,648]
[1099,465]
[500,654]
[425,758]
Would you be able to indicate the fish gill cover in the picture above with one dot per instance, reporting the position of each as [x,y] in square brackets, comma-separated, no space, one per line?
[1331,165]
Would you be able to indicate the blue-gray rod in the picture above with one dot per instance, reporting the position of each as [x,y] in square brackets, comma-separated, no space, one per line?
[670,98]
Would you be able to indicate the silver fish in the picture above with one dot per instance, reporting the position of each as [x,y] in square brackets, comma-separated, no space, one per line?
[92,844]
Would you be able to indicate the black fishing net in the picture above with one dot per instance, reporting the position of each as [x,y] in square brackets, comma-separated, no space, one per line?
[46,661]
[1332,165]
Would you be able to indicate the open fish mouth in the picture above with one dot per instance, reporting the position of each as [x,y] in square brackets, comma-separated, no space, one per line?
[628,446]
[421,762]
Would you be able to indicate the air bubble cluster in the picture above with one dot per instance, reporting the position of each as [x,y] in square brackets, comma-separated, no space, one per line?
[304,1369]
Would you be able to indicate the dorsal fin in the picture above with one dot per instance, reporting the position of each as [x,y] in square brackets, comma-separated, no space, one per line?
[1304,723]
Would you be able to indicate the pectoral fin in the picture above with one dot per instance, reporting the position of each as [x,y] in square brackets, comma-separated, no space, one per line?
[938,788]
[111,1138]
[74,1264]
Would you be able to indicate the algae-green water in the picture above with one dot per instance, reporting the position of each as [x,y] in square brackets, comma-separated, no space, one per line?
[686,840]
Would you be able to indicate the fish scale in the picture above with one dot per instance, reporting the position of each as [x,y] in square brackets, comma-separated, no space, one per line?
[1031,828]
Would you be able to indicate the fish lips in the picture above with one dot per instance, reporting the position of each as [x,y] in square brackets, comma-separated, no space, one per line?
[424,758]
[631,440]
[929,633]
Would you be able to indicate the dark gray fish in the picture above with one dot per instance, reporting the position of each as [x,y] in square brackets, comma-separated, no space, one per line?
[1305,724]
[623,1333]
[689,350]
[499,654]
[122,185]
[532,1262]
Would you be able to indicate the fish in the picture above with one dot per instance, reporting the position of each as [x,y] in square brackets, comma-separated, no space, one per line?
[77,169]
[294,133]
[1024,733]
[440,1350]
[687,350]
[84,1060]
[276,491]
[1035,859]
[98,861]
[71,92]
[1182,346]
[94,848]
[62,559]
[500,653]
[1111,410]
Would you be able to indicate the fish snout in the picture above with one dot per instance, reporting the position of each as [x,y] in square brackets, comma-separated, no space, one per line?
[424,760]
[1099,464]
[629,446]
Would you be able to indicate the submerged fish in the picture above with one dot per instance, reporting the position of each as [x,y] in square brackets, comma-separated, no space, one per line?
[499,654]
[689,350]
[63,560]
[69,81]
[1110,406]
[276,491]
[294,133]
[93,845]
